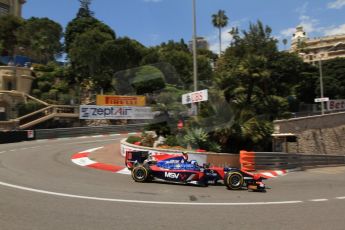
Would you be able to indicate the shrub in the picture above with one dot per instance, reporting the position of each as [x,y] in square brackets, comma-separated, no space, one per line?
[29,107]
[147,139]
[133,139]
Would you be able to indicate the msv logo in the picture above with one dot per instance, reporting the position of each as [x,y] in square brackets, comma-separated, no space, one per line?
[171,175]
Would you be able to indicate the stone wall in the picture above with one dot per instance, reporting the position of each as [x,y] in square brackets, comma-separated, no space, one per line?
[323,134]
[325,140]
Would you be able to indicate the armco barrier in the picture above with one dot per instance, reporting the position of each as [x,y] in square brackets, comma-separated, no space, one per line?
[215,159]
[16,136]
[86,131]
[252,161]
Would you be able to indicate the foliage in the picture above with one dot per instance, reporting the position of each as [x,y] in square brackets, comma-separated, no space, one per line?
[147,139]
[172,140]
[182,61]
[198,138]
[148,79]
[9,26]
[133,139]
[333,78]
[52,84]
[29,107]
[81,25]
[84,10]
[220,20]
[86,54]
[255,72]
[159,127]
[40,39]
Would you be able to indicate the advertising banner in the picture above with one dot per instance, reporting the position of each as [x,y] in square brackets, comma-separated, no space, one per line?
[195,97]
[120,100]
[114,112]
[336,105]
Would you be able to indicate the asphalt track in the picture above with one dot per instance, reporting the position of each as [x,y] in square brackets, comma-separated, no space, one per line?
[40,188]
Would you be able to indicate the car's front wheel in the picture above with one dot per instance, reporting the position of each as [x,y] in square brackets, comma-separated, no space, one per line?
[140,174]
[233,180]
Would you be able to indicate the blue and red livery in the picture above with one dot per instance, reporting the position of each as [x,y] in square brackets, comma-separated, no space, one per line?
[175,168]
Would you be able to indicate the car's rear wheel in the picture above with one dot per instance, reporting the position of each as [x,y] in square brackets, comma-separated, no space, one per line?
[140,174]
[233,180]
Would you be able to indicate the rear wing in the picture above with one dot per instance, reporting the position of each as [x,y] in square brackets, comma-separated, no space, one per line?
[134,156]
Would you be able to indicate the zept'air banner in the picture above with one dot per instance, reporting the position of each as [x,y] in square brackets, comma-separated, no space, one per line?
[114,112]
[120,100]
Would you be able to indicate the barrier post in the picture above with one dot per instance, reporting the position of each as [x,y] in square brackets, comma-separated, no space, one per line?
[247,160]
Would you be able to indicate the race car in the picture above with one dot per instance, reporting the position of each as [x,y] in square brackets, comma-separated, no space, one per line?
[175,168]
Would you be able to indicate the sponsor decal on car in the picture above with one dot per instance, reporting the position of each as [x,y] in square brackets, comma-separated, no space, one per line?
[171,175]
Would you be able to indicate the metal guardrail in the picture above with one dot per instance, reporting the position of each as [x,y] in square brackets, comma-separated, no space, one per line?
[86,131]
[273,160]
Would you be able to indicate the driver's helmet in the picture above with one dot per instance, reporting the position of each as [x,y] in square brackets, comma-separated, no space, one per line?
[194,162]
[185,155]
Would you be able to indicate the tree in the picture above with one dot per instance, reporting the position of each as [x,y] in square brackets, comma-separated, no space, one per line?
[220,20]
[308,87]
[257,81]
[9,26]
[84,10]
[148,79]
[80,25]
[52,85]
[285,42]
[40,39]
[88,43]
[86,56]
[232,124]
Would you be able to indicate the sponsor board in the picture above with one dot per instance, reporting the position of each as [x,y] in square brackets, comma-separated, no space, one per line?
[194,97]
[121,100]
[114,112]
[336,105]
[321,99]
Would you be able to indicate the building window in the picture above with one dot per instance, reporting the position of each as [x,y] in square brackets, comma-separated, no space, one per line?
[4,9]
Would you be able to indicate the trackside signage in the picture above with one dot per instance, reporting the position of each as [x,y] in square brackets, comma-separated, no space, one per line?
[336,105]
[114,112]
[194,97]
[120,100]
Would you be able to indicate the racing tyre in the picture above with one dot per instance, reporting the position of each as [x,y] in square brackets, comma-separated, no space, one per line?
[140,174]
[233,180]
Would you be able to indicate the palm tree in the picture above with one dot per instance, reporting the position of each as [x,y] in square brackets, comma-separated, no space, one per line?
[220,20]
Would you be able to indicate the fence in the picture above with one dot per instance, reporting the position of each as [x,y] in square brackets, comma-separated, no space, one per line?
[252,161]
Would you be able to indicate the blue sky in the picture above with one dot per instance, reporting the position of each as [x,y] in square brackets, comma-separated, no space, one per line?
[154,21]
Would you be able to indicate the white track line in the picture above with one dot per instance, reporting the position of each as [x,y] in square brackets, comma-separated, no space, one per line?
[125,171]
[318,200]
[144,201]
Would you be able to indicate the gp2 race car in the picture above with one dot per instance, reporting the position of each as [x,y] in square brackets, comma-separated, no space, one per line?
[175,168]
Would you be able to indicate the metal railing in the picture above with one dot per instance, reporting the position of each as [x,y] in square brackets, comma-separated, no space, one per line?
[273,160]
[47,113]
